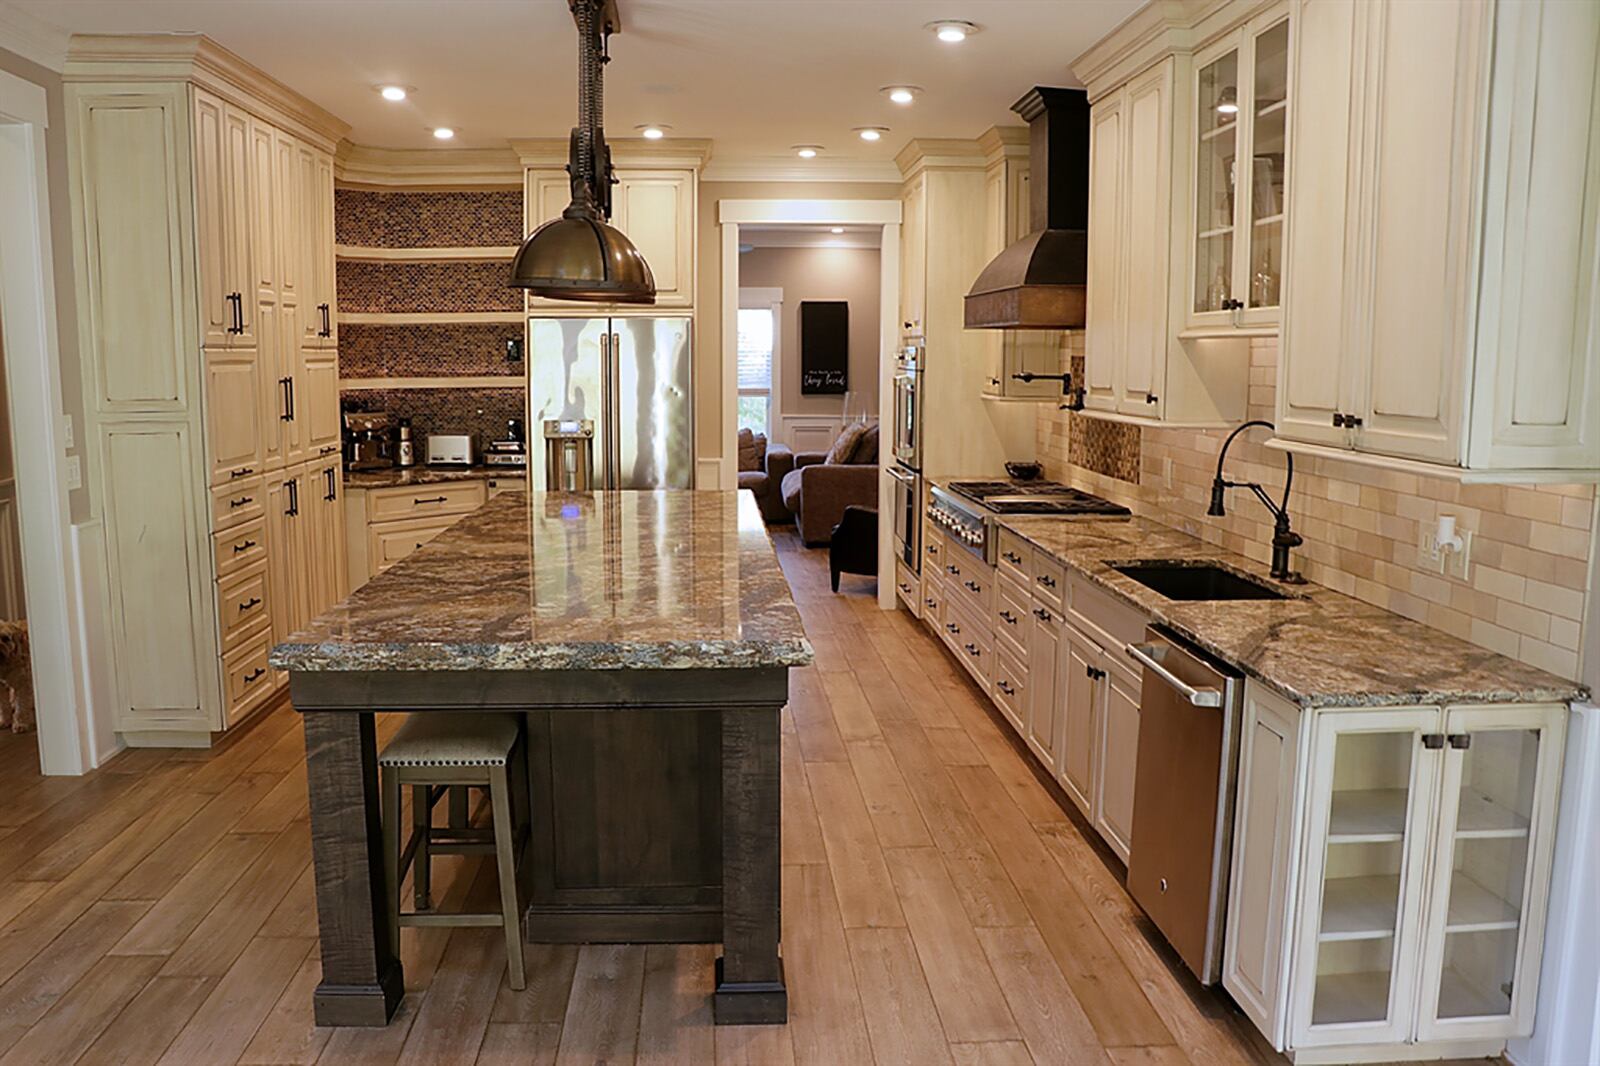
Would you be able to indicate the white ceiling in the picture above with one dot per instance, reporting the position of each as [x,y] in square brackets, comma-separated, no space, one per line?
[757,76]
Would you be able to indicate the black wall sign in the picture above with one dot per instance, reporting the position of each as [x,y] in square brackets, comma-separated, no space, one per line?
[824,347]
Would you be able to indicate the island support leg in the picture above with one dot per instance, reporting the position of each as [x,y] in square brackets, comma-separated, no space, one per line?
[362,982]
[749,979]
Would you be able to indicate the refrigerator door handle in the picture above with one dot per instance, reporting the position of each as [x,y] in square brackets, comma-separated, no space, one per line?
[607,415]
[614,426]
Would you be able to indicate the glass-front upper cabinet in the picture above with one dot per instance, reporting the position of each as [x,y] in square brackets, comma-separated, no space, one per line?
[1241,108]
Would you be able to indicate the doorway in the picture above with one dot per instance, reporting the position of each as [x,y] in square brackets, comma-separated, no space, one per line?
[19,751]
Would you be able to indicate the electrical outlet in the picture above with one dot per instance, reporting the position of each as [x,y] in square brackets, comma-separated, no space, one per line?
[1429,557]
[68,442]
[74,472]
[1458,564]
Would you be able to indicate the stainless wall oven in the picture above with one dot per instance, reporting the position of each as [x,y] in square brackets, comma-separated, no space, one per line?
[906,510]
[909,368]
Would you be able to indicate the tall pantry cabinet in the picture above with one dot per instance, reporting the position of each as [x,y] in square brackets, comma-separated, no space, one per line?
[202,197]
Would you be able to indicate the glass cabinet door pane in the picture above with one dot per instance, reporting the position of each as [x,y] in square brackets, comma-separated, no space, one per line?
[1369,824]
[1218,101]
[1488,874]
[1270,104]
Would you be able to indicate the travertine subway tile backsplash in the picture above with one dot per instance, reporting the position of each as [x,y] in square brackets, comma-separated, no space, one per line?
[1363,526]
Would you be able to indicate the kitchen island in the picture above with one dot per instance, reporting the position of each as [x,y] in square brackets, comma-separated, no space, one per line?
[645,638]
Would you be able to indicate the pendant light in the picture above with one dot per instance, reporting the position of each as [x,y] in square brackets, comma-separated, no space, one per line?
[580,256]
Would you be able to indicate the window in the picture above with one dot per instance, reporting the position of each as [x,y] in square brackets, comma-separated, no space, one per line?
[759,317]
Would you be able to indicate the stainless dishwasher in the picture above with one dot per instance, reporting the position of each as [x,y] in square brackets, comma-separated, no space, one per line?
[1179,856]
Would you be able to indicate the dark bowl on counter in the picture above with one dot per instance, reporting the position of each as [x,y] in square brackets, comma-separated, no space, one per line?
[1024,471]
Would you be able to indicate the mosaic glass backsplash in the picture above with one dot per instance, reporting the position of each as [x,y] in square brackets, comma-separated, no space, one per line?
[456,218]
[368,287]
[1528,588]
[411,351]
[480,412]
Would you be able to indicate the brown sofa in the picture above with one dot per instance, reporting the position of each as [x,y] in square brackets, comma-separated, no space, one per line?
[818,493]
[767,483]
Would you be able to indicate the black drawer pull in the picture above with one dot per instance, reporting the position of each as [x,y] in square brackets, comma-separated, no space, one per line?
[1041,614]
[931,550]
[243,471]
[952,568]
[1005,687]
[905,588]
[253,601]
[931,602]
[972,650]
[252,678]
[1008,618]
[436,499]
[973,585]
[241,501]
[1013,558]
[246,546]
[952,627]
[1094,674]
[1047,581]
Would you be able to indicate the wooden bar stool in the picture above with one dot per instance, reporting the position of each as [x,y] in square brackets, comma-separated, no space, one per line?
[439,753]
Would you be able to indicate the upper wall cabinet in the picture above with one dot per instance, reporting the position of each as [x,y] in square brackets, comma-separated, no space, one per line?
[1013,353]
[654,202]
[1442,220]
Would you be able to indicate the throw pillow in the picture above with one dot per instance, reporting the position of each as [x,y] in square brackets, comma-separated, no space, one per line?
[845,447]
[748,460]
[761,451]
[867,450]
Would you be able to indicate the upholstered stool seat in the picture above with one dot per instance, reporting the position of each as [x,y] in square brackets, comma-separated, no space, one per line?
[439,754]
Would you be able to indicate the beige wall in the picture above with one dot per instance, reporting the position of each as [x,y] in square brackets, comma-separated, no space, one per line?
[61,243]
[708,300]
[849,274]
[1532,548]
[7,468]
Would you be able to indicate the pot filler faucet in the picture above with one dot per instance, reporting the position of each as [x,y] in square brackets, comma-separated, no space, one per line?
[1283,538]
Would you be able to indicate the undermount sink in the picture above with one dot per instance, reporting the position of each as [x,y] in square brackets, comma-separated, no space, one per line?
[1198,581]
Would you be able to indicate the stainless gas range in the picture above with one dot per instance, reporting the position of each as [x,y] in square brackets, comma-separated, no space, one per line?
[967,510]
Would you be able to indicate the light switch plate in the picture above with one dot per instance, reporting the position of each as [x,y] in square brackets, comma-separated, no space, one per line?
[68,441]
[74,472]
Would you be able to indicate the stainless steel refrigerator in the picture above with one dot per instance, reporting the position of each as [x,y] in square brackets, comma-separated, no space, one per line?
[631,378]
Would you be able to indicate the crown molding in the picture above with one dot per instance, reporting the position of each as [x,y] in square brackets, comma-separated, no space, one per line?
[1003,142]
[32,38]
[791,169]
[152,57]
[419,168]
[939,153]
[540,153]
[1155,31]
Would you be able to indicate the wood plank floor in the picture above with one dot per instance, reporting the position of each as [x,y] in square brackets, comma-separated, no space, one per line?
[939,907]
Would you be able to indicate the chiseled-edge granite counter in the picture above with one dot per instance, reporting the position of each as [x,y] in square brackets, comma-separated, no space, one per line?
[1320,649]
[394,477]
[591,581]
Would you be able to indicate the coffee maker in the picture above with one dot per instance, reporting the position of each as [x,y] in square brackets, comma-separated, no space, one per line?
[368,440]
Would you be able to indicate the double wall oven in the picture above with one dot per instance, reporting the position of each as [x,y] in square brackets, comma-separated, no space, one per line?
[907,450]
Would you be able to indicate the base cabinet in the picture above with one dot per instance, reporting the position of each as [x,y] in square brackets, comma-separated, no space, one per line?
[380,527]
[1412,845]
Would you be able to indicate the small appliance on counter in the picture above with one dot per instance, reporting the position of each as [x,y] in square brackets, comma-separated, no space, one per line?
[511,451]
[368,440]
[451,449]
[405,446]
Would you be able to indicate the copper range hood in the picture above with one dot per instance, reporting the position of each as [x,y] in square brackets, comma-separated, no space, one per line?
[1040,281]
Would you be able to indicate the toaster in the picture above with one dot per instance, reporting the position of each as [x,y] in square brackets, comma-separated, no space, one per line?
[450,449]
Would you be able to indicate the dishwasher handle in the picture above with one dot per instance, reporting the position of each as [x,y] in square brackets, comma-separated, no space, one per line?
[1145,655]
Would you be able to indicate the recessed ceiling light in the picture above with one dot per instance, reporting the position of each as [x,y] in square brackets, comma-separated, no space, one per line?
[901,94]
[393,93]
[952,31]
[871,133]
[836,229]
[653,131]
[807,151]
[443,133]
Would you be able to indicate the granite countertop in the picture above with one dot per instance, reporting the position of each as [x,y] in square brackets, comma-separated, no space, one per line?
[586,581]
[394,477]
[1320,649]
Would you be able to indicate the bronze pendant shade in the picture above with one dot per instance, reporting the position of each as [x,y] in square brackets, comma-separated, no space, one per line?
[581,256]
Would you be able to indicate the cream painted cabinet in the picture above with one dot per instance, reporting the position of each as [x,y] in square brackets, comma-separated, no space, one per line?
[654,205]
[1390,872]
[1447,309]
[914,254]
[188,261]
[1044,669]
[1119,754]
[1014,352]
[1082,706]
[324,505]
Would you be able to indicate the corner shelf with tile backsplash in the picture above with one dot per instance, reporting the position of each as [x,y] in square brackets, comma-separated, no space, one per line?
[429,318]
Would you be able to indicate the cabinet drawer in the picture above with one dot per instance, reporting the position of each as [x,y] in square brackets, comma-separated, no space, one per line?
[246,679]
[497,485]
[419,501]
[389,543]
[237,503]
[1049,580]
[1012,619]
[1016,558]
[907,586]
[1010,687]
[969,582]
[241,547]
[1109,622]
[932,548]
[242,604]
[970,641]
[932,600]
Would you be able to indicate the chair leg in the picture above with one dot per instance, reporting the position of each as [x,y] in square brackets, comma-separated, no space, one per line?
[422,865]
[505,852]
[391,852]
[833,572]
[460,807]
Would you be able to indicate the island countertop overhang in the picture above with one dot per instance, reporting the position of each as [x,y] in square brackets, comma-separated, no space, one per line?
[667,580]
